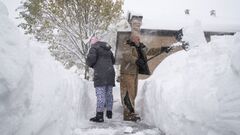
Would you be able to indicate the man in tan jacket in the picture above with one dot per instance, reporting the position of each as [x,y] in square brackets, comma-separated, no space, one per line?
[134,62]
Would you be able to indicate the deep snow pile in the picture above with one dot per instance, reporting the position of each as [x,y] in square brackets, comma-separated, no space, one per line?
[196,92]
[15,75]
[60,100]
[37,95]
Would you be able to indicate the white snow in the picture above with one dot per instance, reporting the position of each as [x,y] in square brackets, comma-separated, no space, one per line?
[128,130]
[4,9]
[194,34]
[190,93]
[38,96]
[196,92]
[15,75]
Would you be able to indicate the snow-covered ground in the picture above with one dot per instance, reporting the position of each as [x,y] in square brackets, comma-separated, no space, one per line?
[190,93]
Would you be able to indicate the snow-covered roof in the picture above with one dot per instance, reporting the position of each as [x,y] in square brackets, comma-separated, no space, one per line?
[213,24]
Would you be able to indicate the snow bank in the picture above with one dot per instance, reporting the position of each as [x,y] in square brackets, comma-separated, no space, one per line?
[60,100]
[3,9]
[15,75]
[194,34]
[37,95]
[196,92]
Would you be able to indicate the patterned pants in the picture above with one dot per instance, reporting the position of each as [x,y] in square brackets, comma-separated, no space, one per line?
[104,98]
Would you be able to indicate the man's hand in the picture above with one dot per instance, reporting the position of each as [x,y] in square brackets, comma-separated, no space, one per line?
[130,42]
[166,49]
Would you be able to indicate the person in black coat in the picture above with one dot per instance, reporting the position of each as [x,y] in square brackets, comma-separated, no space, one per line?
[101,59]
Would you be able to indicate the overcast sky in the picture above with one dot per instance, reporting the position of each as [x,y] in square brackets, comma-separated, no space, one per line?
[225,8]
[171,8]
[229,8]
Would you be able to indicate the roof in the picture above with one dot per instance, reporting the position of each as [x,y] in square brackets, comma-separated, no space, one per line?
[211,24]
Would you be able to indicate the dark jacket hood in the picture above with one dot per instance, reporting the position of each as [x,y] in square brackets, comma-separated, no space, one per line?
[104,45]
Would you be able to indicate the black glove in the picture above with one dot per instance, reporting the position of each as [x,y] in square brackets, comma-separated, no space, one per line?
[128,41]
[140,62]
[166,49]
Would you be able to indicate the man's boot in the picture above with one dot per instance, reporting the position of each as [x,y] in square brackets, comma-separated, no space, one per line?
[109,114]
[134,117]
[131,116]
[98,118]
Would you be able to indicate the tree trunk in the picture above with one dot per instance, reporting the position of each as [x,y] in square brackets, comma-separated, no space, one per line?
[86,73]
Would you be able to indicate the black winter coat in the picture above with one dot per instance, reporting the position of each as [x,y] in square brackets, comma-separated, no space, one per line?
[101,59]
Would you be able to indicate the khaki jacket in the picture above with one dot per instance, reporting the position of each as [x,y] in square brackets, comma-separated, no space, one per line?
[130,55]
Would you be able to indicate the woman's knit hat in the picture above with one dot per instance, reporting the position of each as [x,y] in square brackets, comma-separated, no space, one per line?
[93,40]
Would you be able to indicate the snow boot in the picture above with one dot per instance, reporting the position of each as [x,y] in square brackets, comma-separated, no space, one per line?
[109,114]
[131,117]
[98,118]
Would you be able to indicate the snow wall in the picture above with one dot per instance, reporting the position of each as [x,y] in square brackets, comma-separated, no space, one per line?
[195,92]
[37,95]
